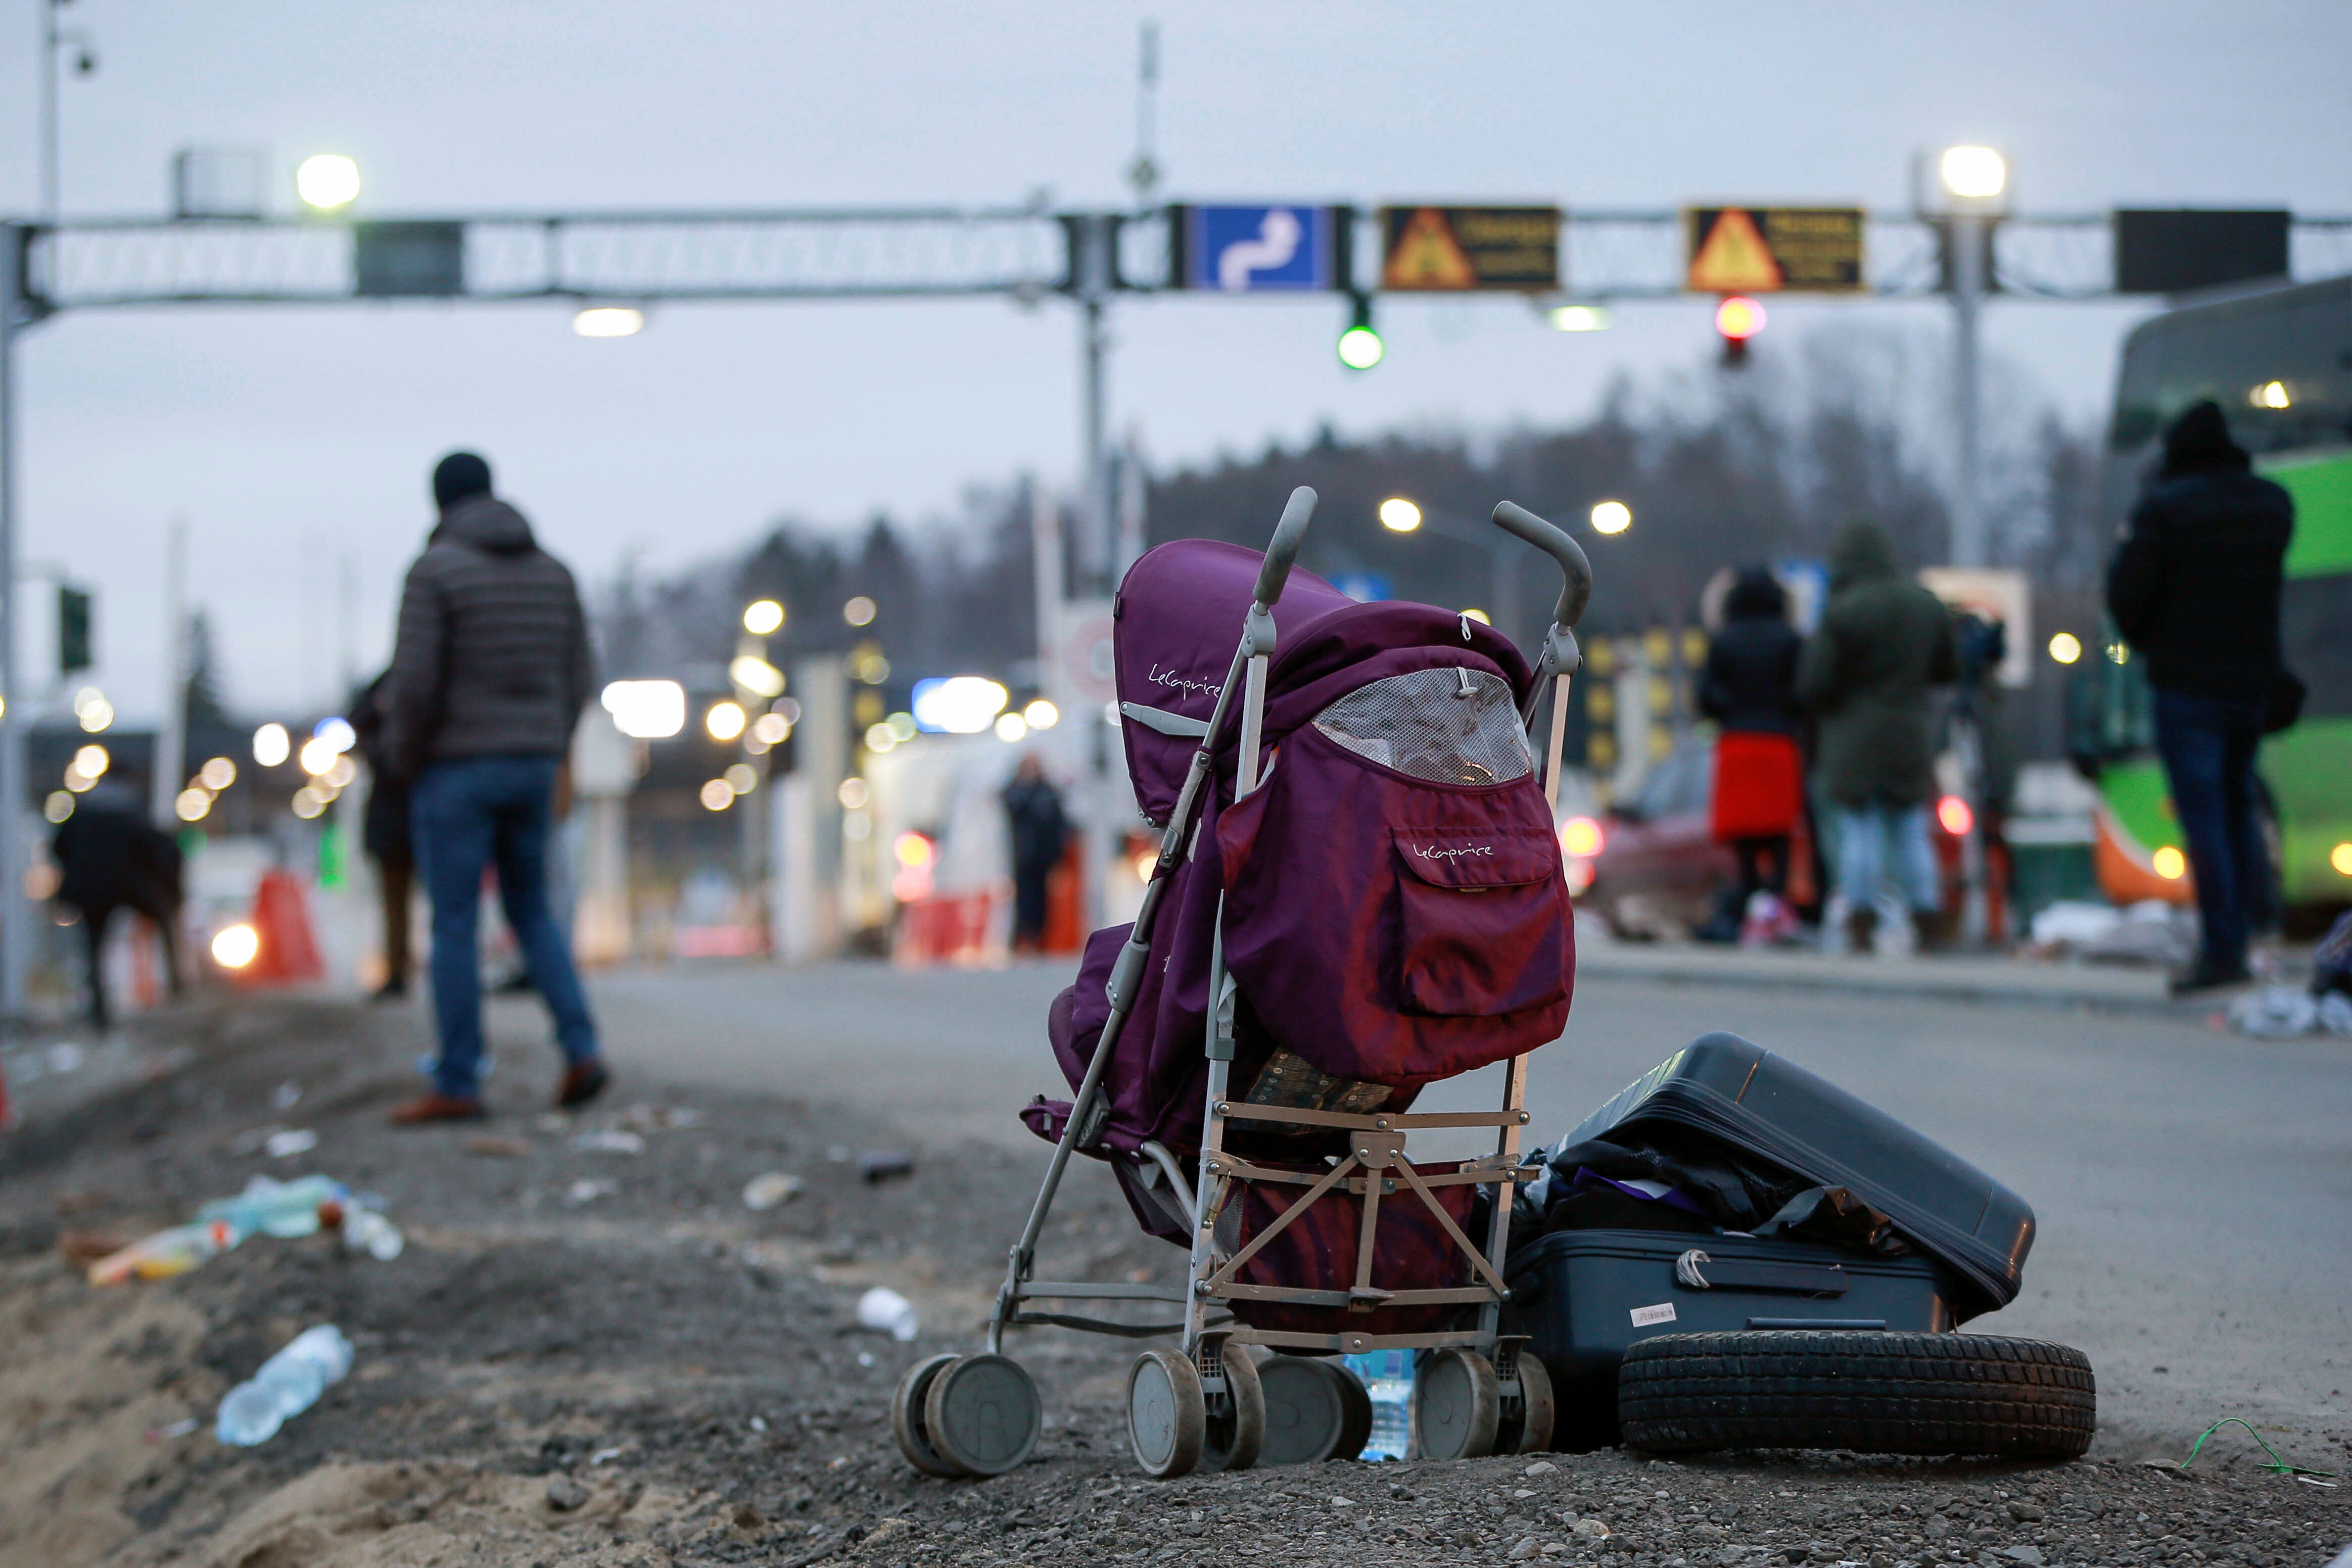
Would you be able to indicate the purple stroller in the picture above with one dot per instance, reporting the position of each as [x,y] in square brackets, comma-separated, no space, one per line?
[1358,893]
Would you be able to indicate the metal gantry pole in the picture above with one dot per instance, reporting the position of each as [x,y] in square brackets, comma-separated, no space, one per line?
[16,909]
[1971,241]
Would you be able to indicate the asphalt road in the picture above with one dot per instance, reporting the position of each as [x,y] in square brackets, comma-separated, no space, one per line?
[2194,1189]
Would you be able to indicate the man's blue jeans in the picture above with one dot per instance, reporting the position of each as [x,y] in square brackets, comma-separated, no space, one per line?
[2208,745]
[465,814]
[1862,832]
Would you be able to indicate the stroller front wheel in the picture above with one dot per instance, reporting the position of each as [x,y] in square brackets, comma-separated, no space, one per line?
[1457,1404]
[906,1424]
[982,1413]
[1167,1413]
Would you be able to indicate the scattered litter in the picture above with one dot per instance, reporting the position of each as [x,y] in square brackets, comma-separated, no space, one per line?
[293,1141]
[495,1144]
[759,1423]
[770,1189]
[281,1208]
[610,1141]
[285,1096]
[885,1310]
[2150,932]
[176,1429]
[589,1189]
[366,1230]
[288,1384]
[564,1493]
[82,1247]
[2277,1464]
[1338,1501]
[879,1165]
[604,1456]
[166,1253]
[64,1057]
[659,1118]
[864,1358]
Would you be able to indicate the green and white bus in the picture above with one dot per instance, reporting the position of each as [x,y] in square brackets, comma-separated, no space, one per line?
[2279,362]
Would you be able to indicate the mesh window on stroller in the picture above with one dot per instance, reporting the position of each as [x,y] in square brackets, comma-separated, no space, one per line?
[1452,726]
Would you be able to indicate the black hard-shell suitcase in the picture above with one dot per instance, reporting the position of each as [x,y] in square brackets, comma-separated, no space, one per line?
[1584,1297]
[1752,1101]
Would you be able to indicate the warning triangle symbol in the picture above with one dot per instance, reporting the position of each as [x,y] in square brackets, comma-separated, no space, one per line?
[1734,258]
[1427,256]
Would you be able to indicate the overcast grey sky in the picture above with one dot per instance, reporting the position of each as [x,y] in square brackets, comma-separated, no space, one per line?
[290,437]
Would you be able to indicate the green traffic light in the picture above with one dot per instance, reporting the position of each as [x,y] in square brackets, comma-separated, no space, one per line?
[1361,348]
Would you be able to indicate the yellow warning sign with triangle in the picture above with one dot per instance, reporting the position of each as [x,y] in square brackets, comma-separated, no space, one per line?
[1729,253]
[1427,256]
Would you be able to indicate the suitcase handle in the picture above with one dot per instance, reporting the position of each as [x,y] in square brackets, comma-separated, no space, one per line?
[1695,1271]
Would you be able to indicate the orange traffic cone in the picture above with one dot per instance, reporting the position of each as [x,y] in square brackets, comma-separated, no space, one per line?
[289,953]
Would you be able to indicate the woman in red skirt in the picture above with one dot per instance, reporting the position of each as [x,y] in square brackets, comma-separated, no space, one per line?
[1749,689]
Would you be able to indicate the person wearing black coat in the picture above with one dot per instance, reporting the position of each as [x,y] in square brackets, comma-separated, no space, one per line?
[1039,829]
[384,835]
[2194,589]
[1749,688]
[110,857]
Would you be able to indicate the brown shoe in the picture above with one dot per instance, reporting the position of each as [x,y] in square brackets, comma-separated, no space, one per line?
[583,1082]
[426,1109]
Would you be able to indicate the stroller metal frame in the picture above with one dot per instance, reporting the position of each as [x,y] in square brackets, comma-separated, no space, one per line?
[1375,1166]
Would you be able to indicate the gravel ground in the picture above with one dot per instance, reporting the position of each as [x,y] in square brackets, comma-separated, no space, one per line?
[593,1355]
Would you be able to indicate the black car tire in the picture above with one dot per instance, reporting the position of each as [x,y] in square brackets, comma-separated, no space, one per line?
[1876,1393]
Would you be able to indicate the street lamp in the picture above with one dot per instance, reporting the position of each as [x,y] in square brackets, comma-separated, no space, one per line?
[608,321]
[1611,517]
[326,181]
[1401,515]
[55,40]
[1973,188]
[1973,173]
[763,617]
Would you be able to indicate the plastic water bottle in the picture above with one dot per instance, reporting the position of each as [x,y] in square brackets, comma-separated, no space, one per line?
[288,1384]
[1387,1376]
[282,1208]
[166,1253]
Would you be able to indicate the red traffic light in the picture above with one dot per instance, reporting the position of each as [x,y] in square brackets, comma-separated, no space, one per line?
[1738,317]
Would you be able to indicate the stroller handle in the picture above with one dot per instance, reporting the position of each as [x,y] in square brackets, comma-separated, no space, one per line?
[1577,590]
[1283,553]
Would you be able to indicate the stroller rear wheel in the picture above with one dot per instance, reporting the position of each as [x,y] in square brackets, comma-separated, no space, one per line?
[1167,1413]
[1235,1435]
[1315,1410]
[1526,1424]
[982,1413]
[1458,1403]
[907,1418]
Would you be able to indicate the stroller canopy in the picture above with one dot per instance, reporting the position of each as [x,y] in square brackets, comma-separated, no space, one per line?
[1175,621]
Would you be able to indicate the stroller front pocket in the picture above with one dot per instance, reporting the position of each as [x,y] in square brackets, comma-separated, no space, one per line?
[1482,923]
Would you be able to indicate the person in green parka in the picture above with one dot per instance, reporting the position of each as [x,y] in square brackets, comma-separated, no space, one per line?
[1866,676]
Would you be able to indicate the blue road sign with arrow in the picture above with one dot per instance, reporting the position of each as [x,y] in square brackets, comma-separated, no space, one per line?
[1256,250]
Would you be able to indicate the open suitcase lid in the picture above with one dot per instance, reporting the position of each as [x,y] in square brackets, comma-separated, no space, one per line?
[1768,1106]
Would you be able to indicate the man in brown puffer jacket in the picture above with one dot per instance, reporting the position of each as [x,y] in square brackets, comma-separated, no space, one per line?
[491,671]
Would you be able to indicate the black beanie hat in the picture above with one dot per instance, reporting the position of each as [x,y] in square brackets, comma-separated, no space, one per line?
[458,476]
[2200,439]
